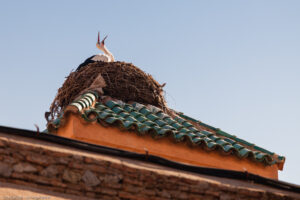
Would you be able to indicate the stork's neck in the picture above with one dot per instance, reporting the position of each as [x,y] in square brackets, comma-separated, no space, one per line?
[107,52]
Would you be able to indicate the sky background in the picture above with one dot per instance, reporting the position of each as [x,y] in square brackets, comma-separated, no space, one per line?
[234,65]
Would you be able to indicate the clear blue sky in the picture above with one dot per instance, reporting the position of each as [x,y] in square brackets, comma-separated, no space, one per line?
[232,64]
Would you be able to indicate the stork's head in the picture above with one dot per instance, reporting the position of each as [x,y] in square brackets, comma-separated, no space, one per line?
[100,45]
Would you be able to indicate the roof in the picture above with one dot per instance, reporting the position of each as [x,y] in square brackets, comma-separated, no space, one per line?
[152,120]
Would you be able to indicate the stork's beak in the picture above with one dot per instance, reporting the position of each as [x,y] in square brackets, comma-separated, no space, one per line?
[102,42]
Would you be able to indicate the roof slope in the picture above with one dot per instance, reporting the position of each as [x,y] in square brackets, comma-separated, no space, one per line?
[152,120]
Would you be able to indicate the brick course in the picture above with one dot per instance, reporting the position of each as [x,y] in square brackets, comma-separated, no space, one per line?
[38,166]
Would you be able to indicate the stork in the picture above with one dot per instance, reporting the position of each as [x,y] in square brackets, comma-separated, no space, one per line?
[106,57]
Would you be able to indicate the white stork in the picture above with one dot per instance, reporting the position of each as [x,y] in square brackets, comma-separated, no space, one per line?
[106,57]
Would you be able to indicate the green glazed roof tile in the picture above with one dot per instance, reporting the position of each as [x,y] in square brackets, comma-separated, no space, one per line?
[197,140]
[213,137]
[135,114]
[141,118]
[230,141]
[128,124]
[206,133]
[150,123]
[222,142]
[160,123]
[152,117]
[145,111]
[199,134]
[168,127]
[124,114]
[128,108]
[117,109]
[187,124]
[176,126]
[193,129]
[211,144]
[169,120]
[111,104]
[184,130]
[192,135]
[151,120]
[244,152]
[228,147]
[130,118]
[238,146]
[179,136]
[179,120]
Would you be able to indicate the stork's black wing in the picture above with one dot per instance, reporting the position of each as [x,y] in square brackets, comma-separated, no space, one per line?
[87,61]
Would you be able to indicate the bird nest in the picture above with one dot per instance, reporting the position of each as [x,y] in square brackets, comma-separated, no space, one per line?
[120,80]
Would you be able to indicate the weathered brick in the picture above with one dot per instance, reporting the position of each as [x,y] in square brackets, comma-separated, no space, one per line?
[18,156]
[174,193]
[195,197]
[88,160]
[5,151]
[106,197]
[3,143]
[90,194]
[164,193]
[132,189]
[31,177]
[212,192]
[77,158]
[75,192]
[51,188]
[106,191]
[5,169]
[184,188]
[159,198]
[131,169]
[117,186]
[148,192]
[63,160]
[8,159]
[71,176]
[57,183]
[130,196]
[96,168]
[50,171]
[57,154]
[249,192]
[76,165]
[132,181]
[39,159]
[226,196]
[90,178]
[117,166]
[24,167]
[21,182]
[117,178]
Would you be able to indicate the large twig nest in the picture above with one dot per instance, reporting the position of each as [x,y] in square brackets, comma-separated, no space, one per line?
[123,81]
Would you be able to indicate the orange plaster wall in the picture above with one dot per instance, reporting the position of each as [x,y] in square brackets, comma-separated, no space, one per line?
[79,129]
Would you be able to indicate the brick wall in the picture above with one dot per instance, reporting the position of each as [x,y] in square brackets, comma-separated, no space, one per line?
[57,168]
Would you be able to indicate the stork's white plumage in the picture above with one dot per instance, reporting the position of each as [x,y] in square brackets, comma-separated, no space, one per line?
[107,56]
